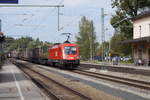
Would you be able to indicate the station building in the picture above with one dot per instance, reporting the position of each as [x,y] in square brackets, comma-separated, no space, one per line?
[141,38]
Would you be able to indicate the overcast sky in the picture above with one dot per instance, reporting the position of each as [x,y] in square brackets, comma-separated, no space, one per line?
[42,22]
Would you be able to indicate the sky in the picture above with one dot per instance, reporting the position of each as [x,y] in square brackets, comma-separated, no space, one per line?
[42,22]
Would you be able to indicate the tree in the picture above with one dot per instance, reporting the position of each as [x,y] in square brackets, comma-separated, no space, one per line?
[7,44]
[117,48]
[87,38]
[131,7]
[101,47]
[22,43]
[124,29]
[35,43]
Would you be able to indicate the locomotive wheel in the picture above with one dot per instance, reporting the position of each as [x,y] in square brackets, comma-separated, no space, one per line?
[53,64]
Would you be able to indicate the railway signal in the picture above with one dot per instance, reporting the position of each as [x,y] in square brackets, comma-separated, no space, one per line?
[2,37]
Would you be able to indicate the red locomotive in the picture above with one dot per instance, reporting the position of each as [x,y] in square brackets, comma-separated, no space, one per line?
[64,55]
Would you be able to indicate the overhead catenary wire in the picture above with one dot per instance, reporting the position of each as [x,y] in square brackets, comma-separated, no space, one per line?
[46,16]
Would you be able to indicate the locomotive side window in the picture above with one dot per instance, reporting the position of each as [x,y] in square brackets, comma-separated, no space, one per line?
[70,50]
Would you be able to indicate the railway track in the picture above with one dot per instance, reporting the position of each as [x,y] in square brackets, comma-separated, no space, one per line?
[54,89]
[126,81]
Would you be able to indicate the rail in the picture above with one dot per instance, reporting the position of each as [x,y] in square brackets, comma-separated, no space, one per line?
[126,81]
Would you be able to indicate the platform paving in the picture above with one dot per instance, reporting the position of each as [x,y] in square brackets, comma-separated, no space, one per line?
[15,86]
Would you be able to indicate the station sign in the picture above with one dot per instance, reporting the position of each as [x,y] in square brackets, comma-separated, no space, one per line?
[8,1]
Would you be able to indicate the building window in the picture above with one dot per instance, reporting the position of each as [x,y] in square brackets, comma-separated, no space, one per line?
[140,30]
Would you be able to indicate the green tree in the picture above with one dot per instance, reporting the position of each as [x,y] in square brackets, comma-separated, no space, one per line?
[100,49]
[131,7]
[35,43]
[117,48]
[86,38]
[23,42]
[7,44]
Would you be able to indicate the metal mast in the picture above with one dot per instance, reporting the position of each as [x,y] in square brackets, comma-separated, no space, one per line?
[103,32]
[0,25]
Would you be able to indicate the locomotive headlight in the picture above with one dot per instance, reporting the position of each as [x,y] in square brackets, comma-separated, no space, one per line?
[71,57]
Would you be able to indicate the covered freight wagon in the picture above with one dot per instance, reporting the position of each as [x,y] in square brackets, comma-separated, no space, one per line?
[39,55]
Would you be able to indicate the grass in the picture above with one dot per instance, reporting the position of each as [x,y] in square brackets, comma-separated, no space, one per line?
[127,62]
[91,61]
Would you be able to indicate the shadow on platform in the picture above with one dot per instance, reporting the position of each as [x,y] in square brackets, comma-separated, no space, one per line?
[9,77]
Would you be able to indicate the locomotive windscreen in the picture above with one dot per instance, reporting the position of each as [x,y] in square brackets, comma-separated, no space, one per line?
[70,50]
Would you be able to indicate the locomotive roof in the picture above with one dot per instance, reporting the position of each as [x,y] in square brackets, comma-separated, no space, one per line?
[59,44]
[66,42]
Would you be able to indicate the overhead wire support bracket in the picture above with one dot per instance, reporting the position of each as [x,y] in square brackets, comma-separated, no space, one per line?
[31,5]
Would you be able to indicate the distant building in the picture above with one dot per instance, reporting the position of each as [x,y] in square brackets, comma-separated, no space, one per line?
[141,38]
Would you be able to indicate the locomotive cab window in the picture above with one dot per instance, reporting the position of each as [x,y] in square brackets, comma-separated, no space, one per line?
[70,50]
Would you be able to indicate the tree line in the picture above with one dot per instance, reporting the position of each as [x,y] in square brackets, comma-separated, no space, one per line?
[22,43]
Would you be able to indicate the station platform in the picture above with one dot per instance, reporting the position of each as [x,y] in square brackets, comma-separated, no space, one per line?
[15,86]
[129,66]
[122,68]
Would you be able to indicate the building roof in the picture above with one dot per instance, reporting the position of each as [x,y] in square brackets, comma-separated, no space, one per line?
[142,15]
[142,39]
